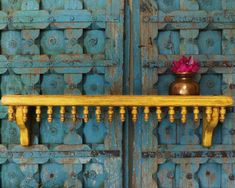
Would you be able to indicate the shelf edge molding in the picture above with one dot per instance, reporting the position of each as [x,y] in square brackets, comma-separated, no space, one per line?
[214,109]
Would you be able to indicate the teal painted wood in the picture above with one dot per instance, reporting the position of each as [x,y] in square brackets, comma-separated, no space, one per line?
[76,47]
[169,29]
[136,89]
[126,90]
[62,47]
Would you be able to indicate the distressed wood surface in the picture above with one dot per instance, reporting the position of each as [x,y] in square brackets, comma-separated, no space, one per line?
[169,29]
[71,47]
[214,111]
[76,47]
[116,100]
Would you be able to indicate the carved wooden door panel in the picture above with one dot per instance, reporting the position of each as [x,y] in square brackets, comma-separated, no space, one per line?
[62,47]
[170,154]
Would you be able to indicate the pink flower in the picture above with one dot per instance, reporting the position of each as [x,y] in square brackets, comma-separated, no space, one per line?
[185,65]
[183,60]
[183,68]
[190,60]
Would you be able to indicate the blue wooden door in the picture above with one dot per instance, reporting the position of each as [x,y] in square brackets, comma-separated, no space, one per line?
[62,47]
[82,47]
[170,154]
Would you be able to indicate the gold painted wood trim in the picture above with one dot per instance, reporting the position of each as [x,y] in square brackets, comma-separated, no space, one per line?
[209,126]
[116,100]
[214,109]
[21,121]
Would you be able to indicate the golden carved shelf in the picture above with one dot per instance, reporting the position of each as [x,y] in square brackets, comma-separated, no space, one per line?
[214,109]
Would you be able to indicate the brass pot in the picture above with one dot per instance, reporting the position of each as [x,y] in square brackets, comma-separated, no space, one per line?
[184,85]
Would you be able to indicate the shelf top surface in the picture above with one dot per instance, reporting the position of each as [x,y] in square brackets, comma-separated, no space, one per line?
[115,100]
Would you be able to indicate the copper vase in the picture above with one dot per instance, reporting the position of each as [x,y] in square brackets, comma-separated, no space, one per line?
[184,85]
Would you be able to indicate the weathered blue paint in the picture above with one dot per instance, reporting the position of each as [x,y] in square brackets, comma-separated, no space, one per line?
[62,47]
[135,88]
[169,29]
[126,90]
[77,47]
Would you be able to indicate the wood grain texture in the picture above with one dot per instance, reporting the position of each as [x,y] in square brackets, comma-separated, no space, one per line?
[69,47]
[168,30]
[210,121]
[112,100]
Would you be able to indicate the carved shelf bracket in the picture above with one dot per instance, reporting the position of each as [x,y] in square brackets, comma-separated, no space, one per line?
[21,121]
[210,122]
[214,109]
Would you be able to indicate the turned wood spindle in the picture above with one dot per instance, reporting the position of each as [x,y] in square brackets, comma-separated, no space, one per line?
[110,114]
[196,113]
[122,113]
[146,113]
[171,114]
[49,114]
[222,114]
[98,114]
[25,113]
[134,113]
[62,113]
[38,114]
[11,113]
[183,114]
[208,114]
[159,114]
[74,113]
[86,114]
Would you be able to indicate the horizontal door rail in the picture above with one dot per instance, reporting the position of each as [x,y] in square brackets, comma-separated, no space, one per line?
[214,109]
[188,154]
